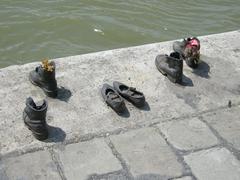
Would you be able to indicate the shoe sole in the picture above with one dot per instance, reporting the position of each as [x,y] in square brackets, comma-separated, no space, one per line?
[52,94]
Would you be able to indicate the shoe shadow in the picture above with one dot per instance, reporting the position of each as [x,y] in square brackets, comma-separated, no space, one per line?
[202,70]
[146,107]
[186,81]
[64,94]
[55,134]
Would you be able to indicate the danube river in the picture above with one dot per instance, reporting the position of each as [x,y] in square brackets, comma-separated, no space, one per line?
[31,30]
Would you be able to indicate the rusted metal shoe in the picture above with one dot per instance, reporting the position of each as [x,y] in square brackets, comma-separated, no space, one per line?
[189,49]
[34,117]
[113,99]
[44,77]
[130,93]
[170,66]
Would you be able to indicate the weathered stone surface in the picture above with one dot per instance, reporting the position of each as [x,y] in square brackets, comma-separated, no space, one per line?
[38,165]
[82,160]
[110,177]
[189,134]
[146,153]
[151,177]
[214,164]
[208,87]
[185,178]
[227,124]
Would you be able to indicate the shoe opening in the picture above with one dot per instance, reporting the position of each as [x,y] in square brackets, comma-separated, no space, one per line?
[175,55]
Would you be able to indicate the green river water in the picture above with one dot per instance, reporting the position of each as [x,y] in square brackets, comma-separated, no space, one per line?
[31,30]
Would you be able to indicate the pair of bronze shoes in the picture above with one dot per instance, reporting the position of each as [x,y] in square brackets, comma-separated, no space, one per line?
[172,65]
[113,96]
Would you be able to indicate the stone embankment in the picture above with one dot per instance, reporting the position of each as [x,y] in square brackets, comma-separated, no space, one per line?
[184,132]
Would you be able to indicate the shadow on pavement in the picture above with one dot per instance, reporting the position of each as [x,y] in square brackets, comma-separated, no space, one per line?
[186,81]
[55,134]
[202,70]
[64,94]
[146,107]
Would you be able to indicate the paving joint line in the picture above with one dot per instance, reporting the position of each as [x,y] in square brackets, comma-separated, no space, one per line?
[124,165]
[186,170]
[56,159]
[223,141]
[91,136]
[185,153]
[20,152]
[106,175]
[183,176]
[195,114]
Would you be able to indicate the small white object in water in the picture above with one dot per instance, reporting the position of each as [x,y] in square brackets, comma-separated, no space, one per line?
[165,29]
[99,31]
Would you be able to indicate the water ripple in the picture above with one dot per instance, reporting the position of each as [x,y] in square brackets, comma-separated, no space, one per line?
[31,30]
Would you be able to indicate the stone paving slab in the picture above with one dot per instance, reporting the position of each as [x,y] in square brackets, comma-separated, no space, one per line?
[185,178]
[38,165]
[208,87]
[147,154]
[227,124]
[212,164]
[84,159]
[189,134]
[110,177]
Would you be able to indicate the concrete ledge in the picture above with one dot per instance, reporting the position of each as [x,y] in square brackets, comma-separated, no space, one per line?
[84,115]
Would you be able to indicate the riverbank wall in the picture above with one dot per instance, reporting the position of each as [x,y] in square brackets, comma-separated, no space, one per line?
[79,115]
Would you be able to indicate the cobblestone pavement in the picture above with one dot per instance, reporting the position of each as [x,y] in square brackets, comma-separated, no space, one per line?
[199,147]
[183,133]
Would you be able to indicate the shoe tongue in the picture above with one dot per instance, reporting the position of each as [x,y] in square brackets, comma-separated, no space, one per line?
[40,104]
[112,95]
[32,104]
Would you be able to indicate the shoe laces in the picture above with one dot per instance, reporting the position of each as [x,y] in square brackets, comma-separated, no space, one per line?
[112,95]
